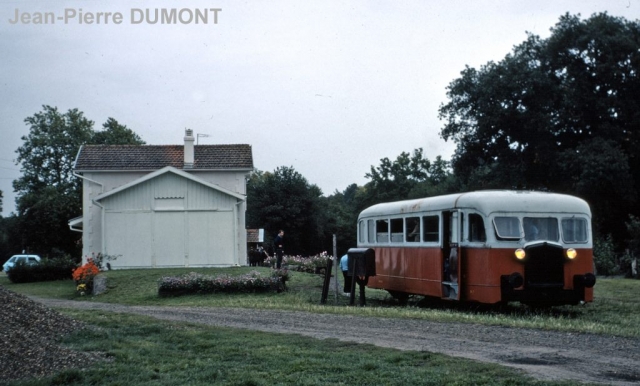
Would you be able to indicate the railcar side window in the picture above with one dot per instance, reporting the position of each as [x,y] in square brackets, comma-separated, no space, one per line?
[507,228]
[371,230]
[540,228]
[431,229]
[382,231]
[476,228]
[412,229]
[574,230]
[397,230]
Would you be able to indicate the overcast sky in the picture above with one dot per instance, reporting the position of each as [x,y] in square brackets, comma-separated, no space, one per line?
[328,87]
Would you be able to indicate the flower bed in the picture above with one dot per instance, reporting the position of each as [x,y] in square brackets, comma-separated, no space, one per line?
[197,283]
[311,264]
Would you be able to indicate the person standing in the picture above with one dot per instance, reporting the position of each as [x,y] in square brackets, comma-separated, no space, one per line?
[278,244]
[344,267]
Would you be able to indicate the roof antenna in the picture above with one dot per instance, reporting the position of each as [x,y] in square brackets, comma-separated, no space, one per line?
[201,135]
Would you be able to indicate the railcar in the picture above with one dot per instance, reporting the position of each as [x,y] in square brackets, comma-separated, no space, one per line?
[485,246]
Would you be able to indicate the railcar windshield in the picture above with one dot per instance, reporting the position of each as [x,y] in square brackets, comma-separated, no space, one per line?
[536,228]
[574,230]
[507,228]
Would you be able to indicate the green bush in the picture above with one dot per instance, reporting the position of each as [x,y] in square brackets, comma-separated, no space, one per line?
[604,256]
[46,270]
[197,283]
[633,227]
[626,262]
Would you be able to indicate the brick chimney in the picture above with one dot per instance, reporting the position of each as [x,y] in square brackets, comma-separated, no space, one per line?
[188,149]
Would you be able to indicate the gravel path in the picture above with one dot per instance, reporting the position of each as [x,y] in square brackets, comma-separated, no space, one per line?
[545,355]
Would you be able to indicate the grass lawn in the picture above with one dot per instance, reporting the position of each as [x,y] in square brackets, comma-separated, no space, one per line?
[147,351]
[615,310]
[154,352]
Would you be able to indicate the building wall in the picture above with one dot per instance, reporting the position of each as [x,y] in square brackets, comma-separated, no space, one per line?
[148,221]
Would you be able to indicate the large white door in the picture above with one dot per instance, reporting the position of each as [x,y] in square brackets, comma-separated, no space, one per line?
[169,239]
[128,236]
[211,238]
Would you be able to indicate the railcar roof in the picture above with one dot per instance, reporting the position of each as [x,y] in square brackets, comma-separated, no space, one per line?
[486,202]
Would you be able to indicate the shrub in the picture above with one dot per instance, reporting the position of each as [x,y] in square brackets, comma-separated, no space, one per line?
[630,256]
[46,270]
[604,256]
[626,264]
[196,283]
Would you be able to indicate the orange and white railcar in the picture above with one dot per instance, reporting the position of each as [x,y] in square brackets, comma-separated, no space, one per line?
[485,246]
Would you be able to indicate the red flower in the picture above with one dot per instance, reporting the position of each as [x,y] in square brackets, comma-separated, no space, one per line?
[86,272]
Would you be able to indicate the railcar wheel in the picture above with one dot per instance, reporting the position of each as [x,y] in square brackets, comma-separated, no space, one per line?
[401,297]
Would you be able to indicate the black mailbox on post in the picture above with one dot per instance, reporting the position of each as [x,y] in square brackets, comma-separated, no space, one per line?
[362,264]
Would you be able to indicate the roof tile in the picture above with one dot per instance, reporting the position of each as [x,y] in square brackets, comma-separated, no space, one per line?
[153,157]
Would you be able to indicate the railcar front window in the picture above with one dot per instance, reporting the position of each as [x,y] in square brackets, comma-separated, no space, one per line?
[540,228]
[574,230]
[476,228]
[361,231]
[507,228]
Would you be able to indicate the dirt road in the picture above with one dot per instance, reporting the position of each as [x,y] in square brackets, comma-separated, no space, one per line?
[545,355]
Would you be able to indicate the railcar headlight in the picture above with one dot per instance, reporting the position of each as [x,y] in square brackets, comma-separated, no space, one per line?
[520,254]
[571,253]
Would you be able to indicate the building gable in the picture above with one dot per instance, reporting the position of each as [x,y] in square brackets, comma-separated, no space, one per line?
[169,189]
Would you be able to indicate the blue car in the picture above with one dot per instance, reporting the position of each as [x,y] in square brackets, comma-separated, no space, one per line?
[13,260]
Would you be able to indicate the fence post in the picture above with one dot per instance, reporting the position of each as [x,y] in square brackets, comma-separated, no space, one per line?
[337,263]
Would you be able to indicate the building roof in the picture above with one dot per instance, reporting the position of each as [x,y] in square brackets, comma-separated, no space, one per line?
[154,157]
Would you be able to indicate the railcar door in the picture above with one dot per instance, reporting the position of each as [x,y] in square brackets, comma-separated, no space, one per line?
[451,229]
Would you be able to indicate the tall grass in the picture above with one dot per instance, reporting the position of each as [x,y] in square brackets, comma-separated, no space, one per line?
[615,310]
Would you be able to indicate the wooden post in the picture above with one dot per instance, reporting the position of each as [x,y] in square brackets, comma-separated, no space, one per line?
[335,256]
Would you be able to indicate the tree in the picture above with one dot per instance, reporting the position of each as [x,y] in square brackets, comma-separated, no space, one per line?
[113,133]
[556,114]
[48,192]
[285,200]
[341,219]
[9,243]
[411,175]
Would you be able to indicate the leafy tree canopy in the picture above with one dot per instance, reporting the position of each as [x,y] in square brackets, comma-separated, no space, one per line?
[410,175]
[48,193]
[113,133]
[285,200]
[556,114]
